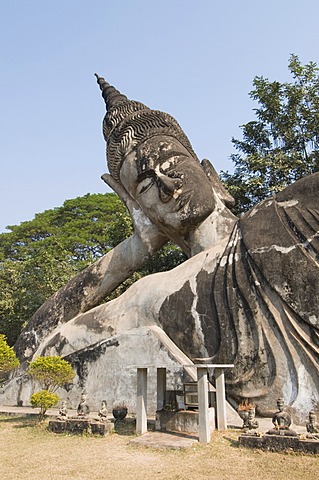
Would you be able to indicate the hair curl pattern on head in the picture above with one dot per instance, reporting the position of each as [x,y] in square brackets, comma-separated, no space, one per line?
[128,123]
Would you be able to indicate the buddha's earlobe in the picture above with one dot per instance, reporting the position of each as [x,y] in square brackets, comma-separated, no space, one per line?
[217,185]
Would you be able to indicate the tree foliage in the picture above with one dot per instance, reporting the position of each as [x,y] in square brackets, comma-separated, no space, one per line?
[282,144]
[51,372]
[8,359]
[39,256]
[44,400]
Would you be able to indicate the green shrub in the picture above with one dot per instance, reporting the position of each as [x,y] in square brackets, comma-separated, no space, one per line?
[8,359]
[44,400]
[51,372]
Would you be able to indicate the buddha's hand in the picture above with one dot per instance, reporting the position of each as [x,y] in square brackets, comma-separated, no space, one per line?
[147,231]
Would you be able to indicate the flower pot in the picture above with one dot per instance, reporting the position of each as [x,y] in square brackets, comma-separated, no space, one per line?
[119,413]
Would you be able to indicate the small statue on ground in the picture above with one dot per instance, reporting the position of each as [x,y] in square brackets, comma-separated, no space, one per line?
[246,411]
[103,412]
[250,424]
[63,411]
[312,426]
[83,408]
[281,421]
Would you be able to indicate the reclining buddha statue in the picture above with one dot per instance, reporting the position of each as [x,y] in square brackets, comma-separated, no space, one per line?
[248,293]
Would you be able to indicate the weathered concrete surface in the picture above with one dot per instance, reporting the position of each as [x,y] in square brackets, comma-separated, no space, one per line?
[266,294]
[107,370]
[182,421]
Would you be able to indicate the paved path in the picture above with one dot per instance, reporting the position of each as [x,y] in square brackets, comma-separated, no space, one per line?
[29,411]
[163,440]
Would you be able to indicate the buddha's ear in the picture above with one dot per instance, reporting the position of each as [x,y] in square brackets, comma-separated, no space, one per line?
[217,185]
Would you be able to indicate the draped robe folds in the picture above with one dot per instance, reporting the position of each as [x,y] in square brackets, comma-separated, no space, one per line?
[265,294]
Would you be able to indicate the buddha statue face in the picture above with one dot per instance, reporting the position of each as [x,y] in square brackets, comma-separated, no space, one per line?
[149,154]
[168,183]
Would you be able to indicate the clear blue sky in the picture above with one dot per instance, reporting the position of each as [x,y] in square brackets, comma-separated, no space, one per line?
[193,59]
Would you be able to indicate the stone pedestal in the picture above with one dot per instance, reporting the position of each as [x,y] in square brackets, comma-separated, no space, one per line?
[184,421]
[78,426]
[278,443]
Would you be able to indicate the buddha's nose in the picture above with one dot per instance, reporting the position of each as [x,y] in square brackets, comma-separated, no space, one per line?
[169,185]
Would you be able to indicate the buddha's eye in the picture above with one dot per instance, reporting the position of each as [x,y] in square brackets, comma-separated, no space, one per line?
[145,181]
[145,185]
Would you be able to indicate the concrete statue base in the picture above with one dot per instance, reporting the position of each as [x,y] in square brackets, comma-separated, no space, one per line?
[183,421]
[78,426]
[278,443]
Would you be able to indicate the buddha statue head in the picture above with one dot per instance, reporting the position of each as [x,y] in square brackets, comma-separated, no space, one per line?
[150,155]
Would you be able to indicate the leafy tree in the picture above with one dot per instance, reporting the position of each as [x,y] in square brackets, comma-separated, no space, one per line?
[37,257]
[165,259]
[282,144]
[8,359]
[51,372]
[44,400]
[80,231]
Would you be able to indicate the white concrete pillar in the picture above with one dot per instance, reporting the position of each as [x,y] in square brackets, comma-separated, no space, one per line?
[141,405]
[203,415]
[220,399]
[161,388]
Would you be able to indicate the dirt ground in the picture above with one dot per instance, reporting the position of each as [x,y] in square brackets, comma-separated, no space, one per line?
[30,452]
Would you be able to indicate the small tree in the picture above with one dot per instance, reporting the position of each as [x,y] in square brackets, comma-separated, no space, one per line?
[8,359]
[44,400]
[51,373]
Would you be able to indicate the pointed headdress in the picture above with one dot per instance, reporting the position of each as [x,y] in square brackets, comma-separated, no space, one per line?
[128,123]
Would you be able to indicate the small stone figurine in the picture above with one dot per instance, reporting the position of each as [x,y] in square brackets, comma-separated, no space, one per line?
[83,408]
[251,423]
[246,411]
[312,426]
[63,411]
[103,412]
[281,421]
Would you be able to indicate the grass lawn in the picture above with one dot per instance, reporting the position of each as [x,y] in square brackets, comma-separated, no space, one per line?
[30,452]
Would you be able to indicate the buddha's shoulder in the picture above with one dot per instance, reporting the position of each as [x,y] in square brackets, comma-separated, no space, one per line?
[299,200]
[306,189]
[302,193]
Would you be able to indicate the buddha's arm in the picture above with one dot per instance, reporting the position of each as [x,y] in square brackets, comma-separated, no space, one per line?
[89,287]
[117,265]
